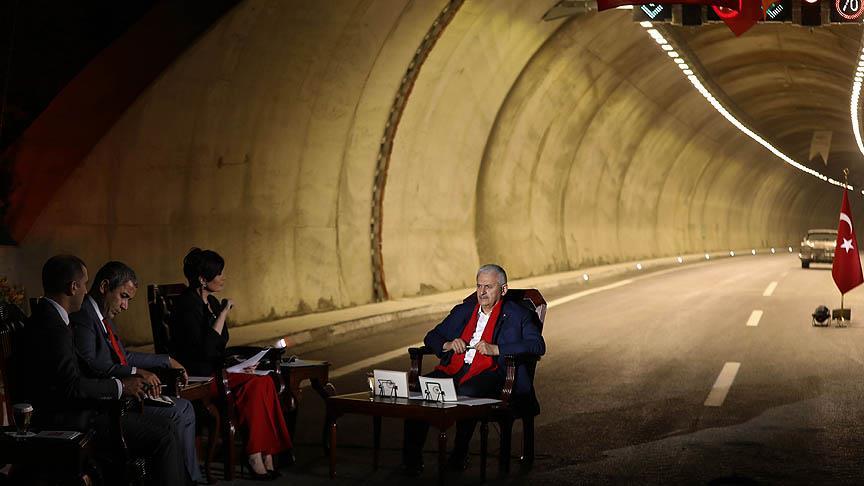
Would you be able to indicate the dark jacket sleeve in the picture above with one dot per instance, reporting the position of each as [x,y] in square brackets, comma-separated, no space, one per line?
[148,360]
[89,341]
[67,381]
[448,329]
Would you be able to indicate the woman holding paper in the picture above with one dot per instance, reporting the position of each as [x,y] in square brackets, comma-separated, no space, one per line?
[199,333]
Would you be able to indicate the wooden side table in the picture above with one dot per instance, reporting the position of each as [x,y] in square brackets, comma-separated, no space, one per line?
[294,373]
[440,416]
[57,459]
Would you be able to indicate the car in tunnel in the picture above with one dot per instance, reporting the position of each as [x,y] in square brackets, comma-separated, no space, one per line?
[818,246]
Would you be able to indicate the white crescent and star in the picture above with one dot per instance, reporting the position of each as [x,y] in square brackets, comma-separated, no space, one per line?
[847,244]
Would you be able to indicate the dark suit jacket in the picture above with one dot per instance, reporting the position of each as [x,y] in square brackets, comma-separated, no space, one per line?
[53,380]
[515,333]
[95,348]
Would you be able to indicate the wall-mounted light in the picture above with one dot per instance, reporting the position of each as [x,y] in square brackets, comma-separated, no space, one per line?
[638,266]
[585,277]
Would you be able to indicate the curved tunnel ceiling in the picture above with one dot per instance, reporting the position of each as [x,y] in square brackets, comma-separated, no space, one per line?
[788,81]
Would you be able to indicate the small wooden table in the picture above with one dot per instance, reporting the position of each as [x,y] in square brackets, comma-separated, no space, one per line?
[47,458]
[440,416]
[294,373]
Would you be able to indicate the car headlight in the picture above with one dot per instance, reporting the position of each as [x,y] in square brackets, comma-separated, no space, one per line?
[809,243]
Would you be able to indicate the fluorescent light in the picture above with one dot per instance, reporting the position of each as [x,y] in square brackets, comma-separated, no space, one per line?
[697,83]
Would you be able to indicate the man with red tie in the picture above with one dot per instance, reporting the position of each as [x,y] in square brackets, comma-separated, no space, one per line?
[98,344]
[471,342]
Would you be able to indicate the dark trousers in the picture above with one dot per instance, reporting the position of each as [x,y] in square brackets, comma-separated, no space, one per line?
[182,415]
[485,385]
[156,437]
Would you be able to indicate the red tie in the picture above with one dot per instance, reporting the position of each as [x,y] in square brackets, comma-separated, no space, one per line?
[114,343]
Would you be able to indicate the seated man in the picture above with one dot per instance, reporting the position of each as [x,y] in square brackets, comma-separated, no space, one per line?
[113,287]
[55,385]
[468,341]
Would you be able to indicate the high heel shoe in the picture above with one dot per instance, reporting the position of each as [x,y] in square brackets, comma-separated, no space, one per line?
[255,475]
[274,473]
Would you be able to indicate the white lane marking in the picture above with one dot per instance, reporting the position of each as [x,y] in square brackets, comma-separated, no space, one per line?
[754,318]
[770,289]
[586,293]
[366,363]
[721,386]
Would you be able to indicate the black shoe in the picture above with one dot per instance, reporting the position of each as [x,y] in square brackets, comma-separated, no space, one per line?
[413,469]
[274,474]
[459,462]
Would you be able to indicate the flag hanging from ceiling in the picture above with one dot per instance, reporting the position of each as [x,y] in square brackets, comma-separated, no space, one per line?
[846,268]
[742,17]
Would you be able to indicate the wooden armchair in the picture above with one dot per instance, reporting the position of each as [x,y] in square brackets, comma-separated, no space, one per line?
[513,407]
[67,460]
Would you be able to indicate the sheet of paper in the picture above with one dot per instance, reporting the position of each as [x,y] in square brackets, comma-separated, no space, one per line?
[471,401]
[249,363]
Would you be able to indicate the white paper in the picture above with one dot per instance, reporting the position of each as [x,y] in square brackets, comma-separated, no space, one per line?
[249,363]
[438,389]
[389,383]
[471,401]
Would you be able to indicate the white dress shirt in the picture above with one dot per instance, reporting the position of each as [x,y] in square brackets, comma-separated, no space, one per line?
[482,320]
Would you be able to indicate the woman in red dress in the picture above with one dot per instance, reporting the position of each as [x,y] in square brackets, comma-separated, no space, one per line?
[199,334]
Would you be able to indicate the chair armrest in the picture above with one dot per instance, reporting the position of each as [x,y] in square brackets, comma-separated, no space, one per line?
[416,355]
[172,378]
[511,362]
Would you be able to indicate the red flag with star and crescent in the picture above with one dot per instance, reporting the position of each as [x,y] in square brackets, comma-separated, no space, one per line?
[846,269]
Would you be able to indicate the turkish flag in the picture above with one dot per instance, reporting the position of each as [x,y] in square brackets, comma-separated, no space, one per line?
[846,269]
[741,18]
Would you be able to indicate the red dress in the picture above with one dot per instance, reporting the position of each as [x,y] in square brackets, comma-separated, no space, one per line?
[256,405]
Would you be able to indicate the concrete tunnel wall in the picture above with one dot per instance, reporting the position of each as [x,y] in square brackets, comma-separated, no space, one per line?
[545,146]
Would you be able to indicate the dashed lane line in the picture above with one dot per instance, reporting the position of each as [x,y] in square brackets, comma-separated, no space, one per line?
[770,289]
[721,386]
[755,316]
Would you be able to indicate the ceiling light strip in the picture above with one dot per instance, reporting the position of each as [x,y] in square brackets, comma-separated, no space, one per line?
[691,76]
[855,102]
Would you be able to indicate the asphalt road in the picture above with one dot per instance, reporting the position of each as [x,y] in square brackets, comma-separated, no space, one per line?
[632,386]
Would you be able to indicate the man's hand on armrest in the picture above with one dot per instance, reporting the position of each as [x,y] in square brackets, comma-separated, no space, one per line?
[457,345]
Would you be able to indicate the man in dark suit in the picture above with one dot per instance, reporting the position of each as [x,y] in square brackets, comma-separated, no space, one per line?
[471,343]
[58,389]
[99,345]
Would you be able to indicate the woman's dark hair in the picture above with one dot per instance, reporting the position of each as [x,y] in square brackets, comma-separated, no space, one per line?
[204,264]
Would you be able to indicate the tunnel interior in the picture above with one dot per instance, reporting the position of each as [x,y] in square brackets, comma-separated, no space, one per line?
[320,145]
